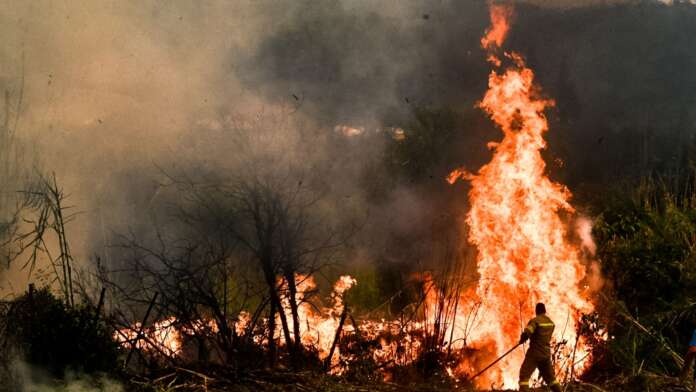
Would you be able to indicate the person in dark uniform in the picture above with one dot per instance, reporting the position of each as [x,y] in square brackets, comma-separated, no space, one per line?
[539,331]
[689,359]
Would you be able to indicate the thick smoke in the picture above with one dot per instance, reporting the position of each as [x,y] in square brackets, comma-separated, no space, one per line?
[620,72]
[27,378]
[114,91]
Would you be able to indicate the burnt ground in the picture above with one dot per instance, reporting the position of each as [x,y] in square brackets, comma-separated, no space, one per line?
[186,380]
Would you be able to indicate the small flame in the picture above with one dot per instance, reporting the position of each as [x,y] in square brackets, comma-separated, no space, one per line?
[163,336]
[455,175]
[500,25]
[318,327]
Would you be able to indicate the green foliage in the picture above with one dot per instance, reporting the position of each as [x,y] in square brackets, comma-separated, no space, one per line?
[55,337]
[645,246]
[365,294]
[425,140]
[647,253]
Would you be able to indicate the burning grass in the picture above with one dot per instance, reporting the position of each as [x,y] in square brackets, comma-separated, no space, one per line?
[419,346]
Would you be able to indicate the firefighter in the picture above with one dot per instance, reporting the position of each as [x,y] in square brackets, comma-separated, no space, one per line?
[539,331]
[689,359]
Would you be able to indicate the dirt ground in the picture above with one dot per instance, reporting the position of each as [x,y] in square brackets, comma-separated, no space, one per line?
[182,380]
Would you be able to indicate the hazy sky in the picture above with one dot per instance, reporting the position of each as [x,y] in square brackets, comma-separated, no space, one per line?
[113,88]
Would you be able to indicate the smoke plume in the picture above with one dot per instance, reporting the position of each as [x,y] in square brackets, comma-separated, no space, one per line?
[114,92]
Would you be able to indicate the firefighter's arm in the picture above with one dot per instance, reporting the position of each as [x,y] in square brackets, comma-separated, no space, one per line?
[528,331]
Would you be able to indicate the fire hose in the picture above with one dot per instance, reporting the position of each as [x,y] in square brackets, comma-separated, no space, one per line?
[496,361]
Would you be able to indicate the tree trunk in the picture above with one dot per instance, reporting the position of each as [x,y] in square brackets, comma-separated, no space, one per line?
[292,288]
[275,301]
[271,336]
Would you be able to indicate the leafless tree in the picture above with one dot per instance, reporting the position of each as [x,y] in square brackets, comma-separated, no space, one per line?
[252,231]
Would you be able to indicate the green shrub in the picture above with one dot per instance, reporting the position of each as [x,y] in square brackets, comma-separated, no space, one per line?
[646,250]
[53,336]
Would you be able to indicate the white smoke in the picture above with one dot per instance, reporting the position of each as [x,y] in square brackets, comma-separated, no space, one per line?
[583,227]
[594,280]
[27,378]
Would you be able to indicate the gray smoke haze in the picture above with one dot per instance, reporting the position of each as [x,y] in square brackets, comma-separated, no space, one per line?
[113,90]
[27,378]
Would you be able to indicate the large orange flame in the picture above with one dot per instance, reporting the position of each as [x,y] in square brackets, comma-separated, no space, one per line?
[524,254]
